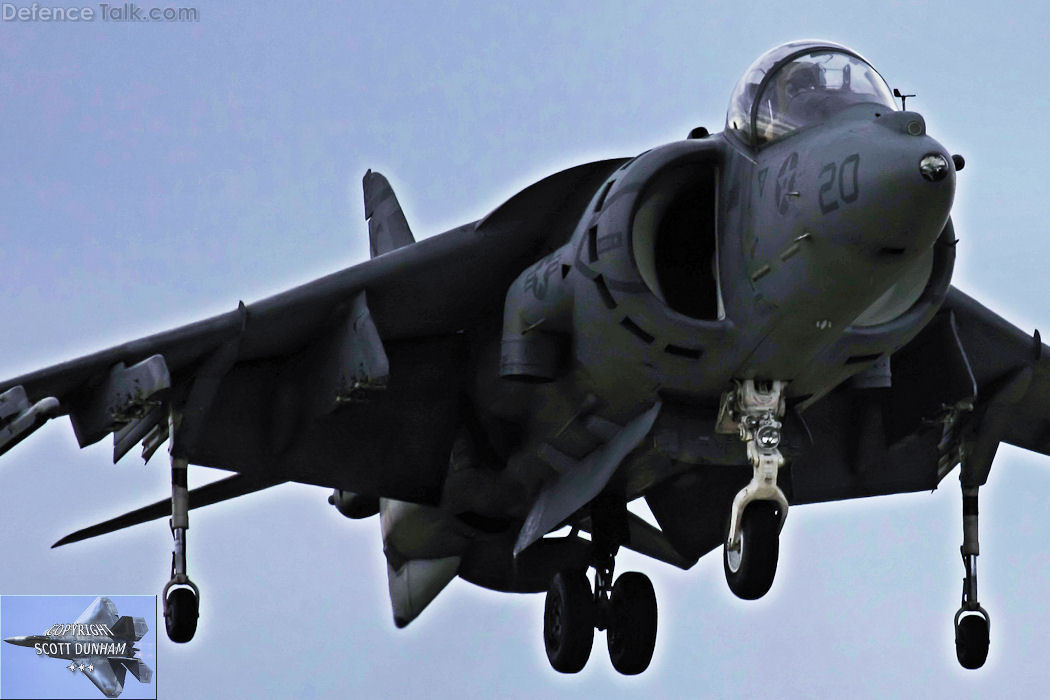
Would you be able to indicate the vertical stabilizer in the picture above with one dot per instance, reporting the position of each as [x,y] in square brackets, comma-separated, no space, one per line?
[128,627]
[387,226]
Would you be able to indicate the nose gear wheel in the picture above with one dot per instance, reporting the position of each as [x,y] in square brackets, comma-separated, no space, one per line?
[751,566]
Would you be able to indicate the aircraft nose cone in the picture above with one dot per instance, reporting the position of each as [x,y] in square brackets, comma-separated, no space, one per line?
[906,186]
[21,641]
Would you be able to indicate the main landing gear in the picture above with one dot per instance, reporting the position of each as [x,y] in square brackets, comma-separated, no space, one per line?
[758,512]
[972,621]
[181,595]
[626,609]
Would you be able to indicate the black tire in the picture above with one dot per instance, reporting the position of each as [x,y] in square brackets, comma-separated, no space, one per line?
[568,621]
[971,641]
[632,623]
[750,572]
[180,615]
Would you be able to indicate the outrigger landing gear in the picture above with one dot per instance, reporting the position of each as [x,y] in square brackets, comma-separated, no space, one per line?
[758,512]
[626,609]
[972,621]
[181,595]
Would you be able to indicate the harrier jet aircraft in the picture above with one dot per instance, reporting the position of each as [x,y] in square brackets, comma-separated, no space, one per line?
[725,326]
[100,644]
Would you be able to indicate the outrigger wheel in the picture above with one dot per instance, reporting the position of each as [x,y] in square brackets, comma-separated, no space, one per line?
[568,621]
[971,638]
[181,610]
[972,621]
[181,595]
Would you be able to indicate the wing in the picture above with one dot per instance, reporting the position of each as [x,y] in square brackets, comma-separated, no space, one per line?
[968,382]
[108,676]
[352,381]
[1012,371]
[102,611]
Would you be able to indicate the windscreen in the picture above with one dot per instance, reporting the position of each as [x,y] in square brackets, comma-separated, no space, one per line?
[789,88]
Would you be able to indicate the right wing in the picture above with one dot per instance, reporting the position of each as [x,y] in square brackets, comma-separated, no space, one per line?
[352,381]
[108,676]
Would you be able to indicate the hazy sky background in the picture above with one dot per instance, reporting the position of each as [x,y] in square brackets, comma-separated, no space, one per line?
[152,175]
[26,675]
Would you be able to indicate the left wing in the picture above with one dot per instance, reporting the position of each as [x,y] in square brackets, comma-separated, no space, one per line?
[1012,371]
[102,611]
[968,382]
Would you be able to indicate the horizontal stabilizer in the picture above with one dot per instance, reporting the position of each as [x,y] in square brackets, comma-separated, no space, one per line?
[142,672]
[387,226]
[416,584]
[106,674]
[225,489]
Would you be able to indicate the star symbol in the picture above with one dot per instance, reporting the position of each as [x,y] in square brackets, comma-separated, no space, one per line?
[72,667]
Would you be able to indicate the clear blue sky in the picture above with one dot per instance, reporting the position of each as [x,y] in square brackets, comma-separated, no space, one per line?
[23,674]
[151,175]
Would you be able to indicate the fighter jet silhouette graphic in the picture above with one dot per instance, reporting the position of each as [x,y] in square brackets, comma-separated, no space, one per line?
[99,644]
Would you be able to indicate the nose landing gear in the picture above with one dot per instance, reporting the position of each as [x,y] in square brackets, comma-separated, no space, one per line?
[758,513]
[971,621]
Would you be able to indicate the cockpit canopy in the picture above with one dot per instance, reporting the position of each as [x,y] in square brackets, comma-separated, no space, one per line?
[800,84]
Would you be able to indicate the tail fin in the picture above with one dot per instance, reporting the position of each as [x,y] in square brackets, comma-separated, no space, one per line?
[387,226]
[142,672]
[128,627]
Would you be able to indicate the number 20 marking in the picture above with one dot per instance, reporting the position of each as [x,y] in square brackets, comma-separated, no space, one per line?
[848,189]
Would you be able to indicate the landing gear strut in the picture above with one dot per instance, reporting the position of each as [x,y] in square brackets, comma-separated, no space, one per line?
[972,621]
[758,513]
[626,609]
[181,595]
